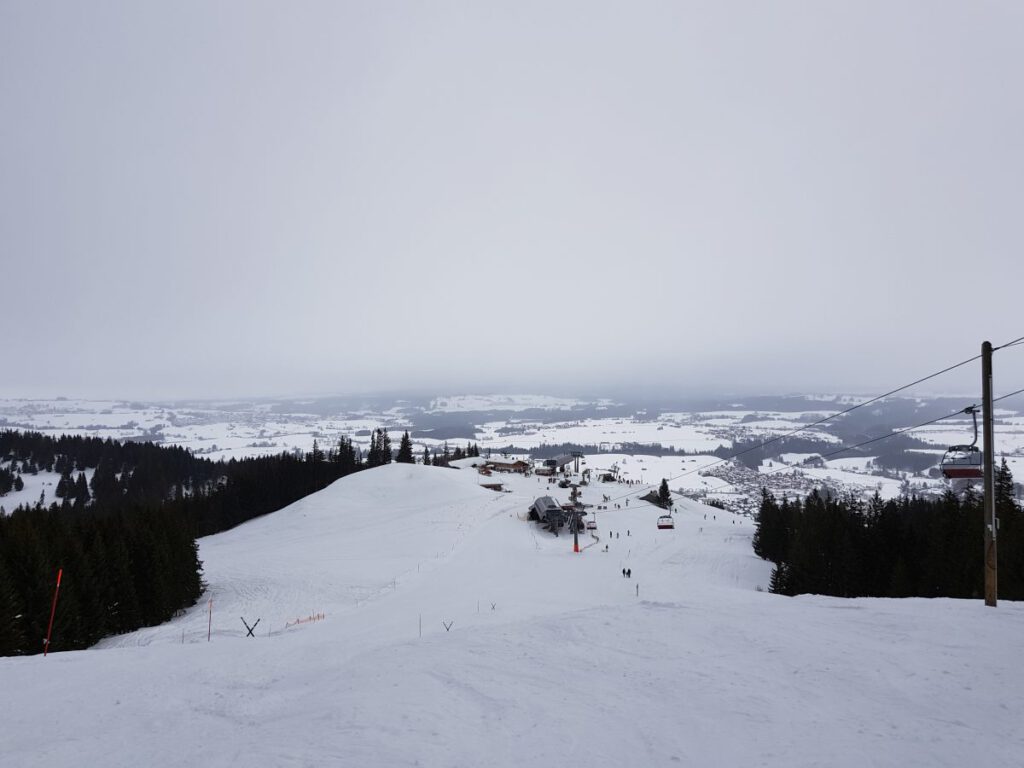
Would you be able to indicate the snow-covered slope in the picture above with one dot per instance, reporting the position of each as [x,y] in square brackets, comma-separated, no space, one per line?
[551,657]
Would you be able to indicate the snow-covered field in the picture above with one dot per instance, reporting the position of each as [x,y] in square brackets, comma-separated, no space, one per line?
[42,485]
[550,657]
[223,430]
[683,472]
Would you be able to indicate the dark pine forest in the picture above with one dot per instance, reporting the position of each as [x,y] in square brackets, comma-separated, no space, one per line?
[126,539]
[904,547]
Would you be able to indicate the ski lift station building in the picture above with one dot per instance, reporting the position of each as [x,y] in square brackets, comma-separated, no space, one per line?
[548,511]
[560,463]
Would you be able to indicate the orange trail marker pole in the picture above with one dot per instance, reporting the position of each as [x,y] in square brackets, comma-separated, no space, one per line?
[53,611]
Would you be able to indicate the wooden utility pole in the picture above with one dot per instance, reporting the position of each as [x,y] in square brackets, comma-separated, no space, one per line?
[991,582]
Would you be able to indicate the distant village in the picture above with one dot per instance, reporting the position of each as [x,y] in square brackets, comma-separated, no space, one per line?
[746,483]
[791,482]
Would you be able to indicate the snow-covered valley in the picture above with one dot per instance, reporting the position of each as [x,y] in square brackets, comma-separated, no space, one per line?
[609,432]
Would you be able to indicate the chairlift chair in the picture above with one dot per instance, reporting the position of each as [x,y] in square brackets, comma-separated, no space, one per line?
[964,462]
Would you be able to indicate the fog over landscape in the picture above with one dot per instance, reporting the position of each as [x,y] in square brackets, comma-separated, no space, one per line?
[251,199]
[511,384]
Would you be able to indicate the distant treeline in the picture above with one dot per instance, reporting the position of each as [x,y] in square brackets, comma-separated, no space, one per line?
[443,456]
[752,453]
[894,454]
[126,538]
[905,547]
[216,495]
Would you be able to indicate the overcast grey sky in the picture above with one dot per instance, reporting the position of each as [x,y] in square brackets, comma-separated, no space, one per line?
[221,199]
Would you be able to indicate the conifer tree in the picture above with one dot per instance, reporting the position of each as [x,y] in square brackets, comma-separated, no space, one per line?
[12,614]
[664,495]
[380,448]
[81,490]
[779,580]
[769,536]
[105,488]
[374,454]
[1011,534]
[405,450]
[1004,489]
[346,456]
[65,486]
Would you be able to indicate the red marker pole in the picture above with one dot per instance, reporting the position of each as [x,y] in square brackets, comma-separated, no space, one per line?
[53,611]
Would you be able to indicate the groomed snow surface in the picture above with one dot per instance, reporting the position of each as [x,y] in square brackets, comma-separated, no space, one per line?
[552,658]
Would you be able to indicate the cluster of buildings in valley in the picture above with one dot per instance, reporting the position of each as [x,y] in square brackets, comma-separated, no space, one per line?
[743,497]
[746,498]
[791,482]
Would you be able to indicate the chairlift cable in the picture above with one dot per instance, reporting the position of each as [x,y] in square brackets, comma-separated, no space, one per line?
[892,434]
[805,427]
[875,399]
[1013,343]
[1019,391]
[855,407]
[869,442]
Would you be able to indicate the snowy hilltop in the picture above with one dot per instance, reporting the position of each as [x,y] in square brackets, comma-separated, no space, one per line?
[409,616]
